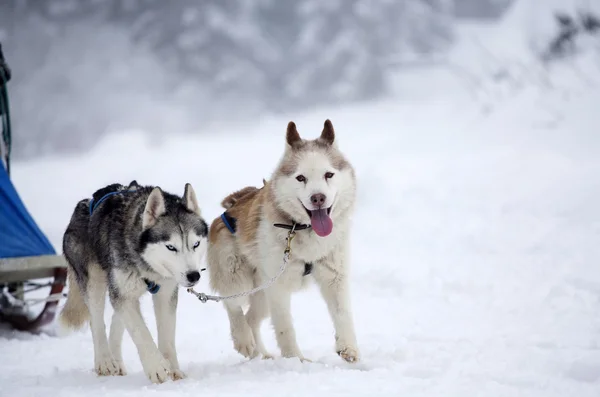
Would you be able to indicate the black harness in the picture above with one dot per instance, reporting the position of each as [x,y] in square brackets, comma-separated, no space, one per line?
[231,224]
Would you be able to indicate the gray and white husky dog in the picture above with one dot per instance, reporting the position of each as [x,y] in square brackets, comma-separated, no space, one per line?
[129,240]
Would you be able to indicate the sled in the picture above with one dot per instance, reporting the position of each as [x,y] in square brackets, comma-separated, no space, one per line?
[28,262]
[20,278]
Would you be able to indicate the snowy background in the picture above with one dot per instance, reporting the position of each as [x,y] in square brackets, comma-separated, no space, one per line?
[474,132]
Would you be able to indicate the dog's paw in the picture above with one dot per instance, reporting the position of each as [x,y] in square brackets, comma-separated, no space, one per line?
[157,369]
[177,374]
[121,371]
[243,341]
[349,354]
[261,354]
[293,353]
[107,366]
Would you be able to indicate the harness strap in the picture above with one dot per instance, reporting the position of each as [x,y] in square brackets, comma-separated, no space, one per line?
[229,221]
[94,205]
[308,267]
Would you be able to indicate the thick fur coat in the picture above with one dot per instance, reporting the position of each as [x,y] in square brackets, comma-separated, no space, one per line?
[313,184]
[127,241]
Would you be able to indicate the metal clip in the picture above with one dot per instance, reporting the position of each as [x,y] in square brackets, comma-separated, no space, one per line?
[202,297]
[289,238]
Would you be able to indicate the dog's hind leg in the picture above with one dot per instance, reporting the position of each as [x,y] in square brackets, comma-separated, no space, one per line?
[258,311]
[115,340]
[104,362]
[165,310]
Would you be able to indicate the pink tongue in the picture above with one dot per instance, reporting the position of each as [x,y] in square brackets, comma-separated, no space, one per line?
[321,222]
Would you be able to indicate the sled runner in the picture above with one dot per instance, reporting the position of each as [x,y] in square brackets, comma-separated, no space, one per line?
[29,265]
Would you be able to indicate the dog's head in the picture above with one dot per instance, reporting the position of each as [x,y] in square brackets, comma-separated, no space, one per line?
[314,183]
[174,236]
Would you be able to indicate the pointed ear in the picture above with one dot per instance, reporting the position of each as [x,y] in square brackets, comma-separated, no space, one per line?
[133,186]
[155,207]
[292,136]
[328,134]
[189,199]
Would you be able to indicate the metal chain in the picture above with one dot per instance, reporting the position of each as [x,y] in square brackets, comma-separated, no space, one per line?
[202,297]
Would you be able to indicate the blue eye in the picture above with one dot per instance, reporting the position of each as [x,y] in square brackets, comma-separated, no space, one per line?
[196,244]
[171,248]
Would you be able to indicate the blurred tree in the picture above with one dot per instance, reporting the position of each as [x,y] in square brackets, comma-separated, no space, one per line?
[480,9]
[216,59]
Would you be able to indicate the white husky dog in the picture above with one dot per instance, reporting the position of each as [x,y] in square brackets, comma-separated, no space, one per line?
[313,187]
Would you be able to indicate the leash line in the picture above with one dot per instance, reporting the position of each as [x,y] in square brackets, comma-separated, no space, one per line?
[202,297]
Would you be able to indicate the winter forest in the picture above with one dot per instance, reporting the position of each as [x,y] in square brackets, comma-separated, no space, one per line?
[80,66]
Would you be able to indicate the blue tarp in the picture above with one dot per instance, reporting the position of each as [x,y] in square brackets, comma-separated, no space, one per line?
[19,234]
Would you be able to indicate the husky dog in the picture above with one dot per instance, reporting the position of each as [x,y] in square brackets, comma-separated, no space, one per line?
[313,187]
[128,240]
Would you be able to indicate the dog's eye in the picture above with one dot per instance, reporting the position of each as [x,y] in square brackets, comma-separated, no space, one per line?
[171,248]
[329,175]
[196,244]
[301,178]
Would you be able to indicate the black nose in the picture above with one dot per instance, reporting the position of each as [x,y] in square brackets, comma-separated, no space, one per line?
[193,276]
[318,199]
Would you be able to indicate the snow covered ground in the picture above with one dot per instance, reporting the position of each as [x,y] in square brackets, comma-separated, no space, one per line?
[475,248]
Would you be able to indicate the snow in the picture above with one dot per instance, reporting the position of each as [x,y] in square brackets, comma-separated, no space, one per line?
[474,251]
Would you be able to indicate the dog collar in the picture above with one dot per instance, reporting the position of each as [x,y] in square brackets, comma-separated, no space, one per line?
[295,226]
[231,224]
[151,286]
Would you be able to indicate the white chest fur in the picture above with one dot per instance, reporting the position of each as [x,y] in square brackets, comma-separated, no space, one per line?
[306,246]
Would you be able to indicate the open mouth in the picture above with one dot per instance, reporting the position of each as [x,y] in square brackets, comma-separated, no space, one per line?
[310,213]
[320,221]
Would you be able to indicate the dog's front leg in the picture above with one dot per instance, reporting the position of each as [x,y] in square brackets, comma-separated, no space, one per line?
[279,298]
[165,310]
[331,275]
[156,367]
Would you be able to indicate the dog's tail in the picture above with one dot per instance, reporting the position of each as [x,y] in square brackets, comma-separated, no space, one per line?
[75,313]
[234,197]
